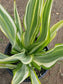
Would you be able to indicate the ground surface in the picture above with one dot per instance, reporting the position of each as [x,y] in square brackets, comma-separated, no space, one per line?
[55,74]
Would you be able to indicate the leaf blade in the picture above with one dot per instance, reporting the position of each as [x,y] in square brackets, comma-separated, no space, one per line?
[54,29]
[9,66]
[45,25]
[31,21]
[11,59]
[7,25]
[20,75]
[44,37]
[17,21]
[34,78]
[51,57]
[2,56]
[17,57]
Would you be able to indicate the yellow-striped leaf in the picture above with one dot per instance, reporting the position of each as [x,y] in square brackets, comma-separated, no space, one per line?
[34,78]
[17,21]
[20,75]
[50,58]
[31,22]
[12,59]
[7,25]
[44,37]
[9,66]
[54,29]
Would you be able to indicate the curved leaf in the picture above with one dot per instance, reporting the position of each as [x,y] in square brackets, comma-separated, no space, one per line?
[31,21]
[41,7]
[50,58]
[36,66]
[54,29]
[2,56]
[9,66]
[38,47]
[20,56]
[6,59]
[44,37]
[20,75]
[26,59]
[45,23]
[17,21]
[34,78]
[18,44]
[11,59]
[7,25]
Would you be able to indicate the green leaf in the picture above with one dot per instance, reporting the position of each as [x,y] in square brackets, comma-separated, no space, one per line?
[9,66]
[45,23]
[14,51]
[34,78]
[41,7]
[17,21]
[44,37]
[12,59]
[5,59]
[54,29]
[20,56]
[31,22]
[20,75]
[2,56]
[26,59]
[49,58]
[18,44]
[38,47]
[7,25]
[36,66]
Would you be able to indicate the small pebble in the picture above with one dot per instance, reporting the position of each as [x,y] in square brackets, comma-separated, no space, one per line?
[62,74]
[57,13]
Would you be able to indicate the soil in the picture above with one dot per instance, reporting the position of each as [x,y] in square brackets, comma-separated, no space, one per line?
[55,74]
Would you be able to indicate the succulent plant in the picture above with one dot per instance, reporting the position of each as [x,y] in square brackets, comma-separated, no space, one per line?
[29,54]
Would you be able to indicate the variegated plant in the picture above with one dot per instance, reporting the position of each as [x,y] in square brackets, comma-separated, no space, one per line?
[30,54]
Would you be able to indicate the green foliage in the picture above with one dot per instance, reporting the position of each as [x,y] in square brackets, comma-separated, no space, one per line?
[34,78]
[20,74]
[7,25]
[29,54]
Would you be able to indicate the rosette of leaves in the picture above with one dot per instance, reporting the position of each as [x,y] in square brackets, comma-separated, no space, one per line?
[30,54]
